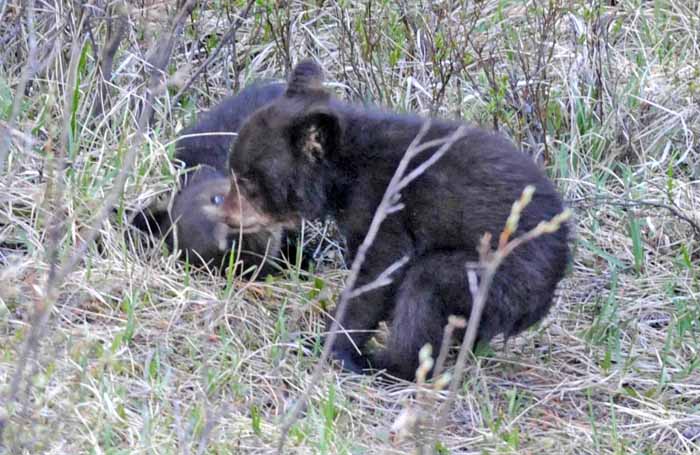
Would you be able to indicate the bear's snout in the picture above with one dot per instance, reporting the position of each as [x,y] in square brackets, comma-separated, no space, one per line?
[241,215]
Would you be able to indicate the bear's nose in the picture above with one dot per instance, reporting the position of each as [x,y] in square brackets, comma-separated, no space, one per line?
[241,215]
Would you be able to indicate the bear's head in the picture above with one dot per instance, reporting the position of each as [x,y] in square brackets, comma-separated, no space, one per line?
[280,158]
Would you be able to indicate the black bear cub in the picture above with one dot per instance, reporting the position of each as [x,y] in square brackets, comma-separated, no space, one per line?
[195,221]
[197,226]
[308,154]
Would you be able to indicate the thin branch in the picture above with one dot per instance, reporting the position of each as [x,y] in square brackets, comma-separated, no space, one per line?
[388,201]
[30,69]
[159,60]
[211,420]
[630,203]
[229,36]
[53,194]
[491,261]
[3,8]
[116,30]
[453,322]
[57,275]
[430,161]
[382,280]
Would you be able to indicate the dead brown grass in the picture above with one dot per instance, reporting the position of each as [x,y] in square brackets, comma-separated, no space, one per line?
[140,356]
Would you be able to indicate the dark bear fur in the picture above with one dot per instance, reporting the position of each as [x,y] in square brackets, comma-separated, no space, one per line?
[309,154]
[193,222]
[196,143]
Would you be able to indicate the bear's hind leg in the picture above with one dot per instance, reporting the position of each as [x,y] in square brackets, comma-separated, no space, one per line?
[433,288]
[436,286]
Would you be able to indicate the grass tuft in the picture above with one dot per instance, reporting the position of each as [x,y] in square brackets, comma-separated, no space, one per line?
[141,353]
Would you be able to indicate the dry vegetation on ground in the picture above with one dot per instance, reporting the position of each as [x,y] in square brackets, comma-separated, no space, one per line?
[133,353]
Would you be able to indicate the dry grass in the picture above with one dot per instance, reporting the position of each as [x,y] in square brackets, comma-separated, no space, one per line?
[140,355]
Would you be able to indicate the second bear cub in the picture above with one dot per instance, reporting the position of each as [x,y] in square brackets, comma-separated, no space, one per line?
[194,224]
[200,232]
[308,154]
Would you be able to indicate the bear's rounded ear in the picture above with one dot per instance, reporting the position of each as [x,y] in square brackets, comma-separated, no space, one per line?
[316,133]
[306,77]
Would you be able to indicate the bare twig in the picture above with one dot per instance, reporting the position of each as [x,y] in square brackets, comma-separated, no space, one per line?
[3,8]
[55,223]
[388,204]
[490,261]
[212,419]
[453,322]
[382,280]
[417,414]
[30,68]
[629,203]
[280,30]
[229,36]
[158,62]
[116,30]
[57,275]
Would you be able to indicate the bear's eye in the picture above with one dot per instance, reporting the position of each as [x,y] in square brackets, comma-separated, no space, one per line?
[217,199]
